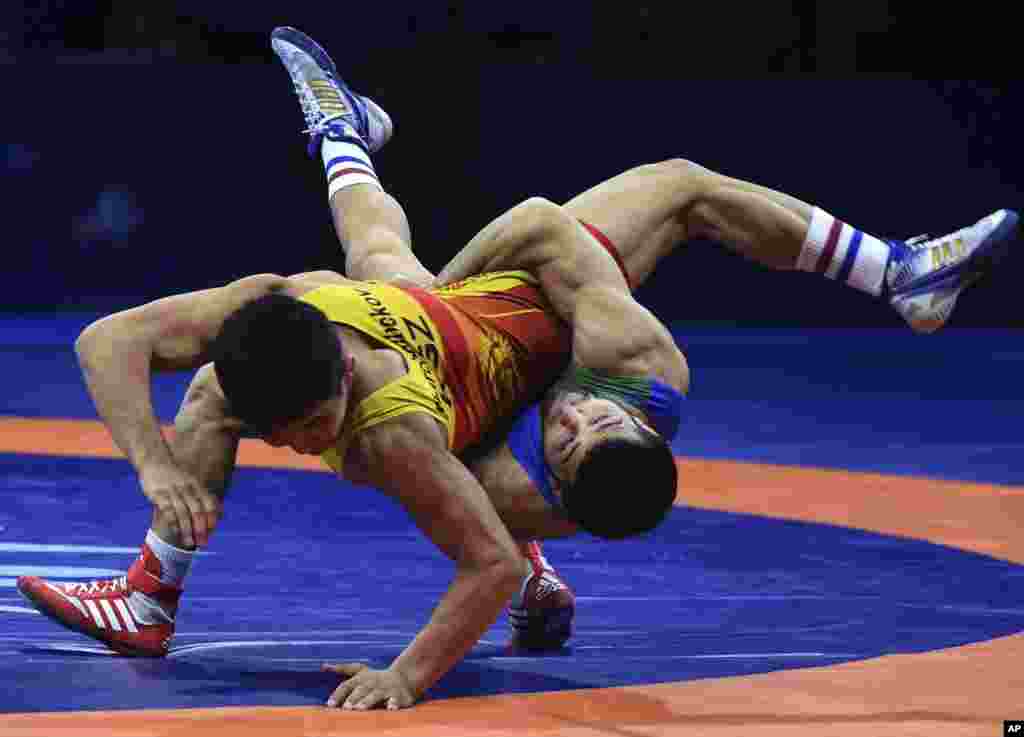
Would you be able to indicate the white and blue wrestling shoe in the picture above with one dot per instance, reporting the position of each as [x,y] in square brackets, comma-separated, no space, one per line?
[926,275]
[331,109]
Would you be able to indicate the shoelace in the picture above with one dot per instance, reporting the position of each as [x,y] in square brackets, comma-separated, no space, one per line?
[916,248]
[110,586]
[310,105]
[313,106]
[923,242]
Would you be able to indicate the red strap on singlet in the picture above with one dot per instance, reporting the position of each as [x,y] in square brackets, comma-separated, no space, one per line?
[608,246]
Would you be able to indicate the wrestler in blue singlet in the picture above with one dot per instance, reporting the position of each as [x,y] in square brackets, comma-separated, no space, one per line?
[660,403]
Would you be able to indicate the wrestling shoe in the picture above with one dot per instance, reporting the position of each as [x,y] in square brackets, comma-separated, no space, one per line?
[127,614]
[331,109]
[542,611]
[926,275]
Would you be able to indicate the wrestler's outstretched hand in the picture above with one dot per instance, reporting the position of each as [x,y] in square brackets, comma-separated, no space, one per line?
[365,688]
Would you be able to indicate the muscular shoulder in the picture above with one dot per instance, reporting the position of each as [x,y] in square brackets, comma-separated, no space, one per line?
[387,455]
[412,433]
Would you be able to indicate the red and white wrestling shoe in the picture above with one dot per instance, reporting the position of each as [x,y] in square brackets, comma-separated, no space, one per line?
[542,612]
[132,615]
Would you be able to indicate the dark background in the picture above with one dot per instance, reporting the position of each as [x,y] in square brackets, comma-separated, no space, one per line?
[153,147]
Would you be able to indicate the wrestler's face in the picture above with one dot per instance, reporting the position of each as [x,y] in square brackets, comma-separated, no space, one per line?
[318,430]
[575,423]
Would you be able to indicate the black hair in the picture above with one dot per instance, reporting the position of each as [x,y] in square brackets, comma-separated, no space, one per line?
[276,358]
[623,486]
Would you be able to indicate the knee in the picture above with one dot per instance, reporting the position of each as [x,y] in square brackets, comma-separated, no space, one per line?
[705,215]
[376,253]
[540,209]
[684,181]
[675,168]
[541,217]
[686,174]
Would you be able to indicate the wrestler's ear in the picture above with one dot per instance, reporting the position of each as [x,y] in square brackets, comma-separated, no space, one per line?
[347,376]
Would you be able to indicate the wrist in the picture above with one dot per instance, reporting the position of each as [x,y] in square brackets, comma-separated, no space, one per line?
[407,681]
[150,464]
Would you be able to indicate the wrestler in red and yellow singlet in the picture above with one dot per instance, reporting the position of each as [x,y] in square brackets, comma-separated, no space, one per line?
[475,350]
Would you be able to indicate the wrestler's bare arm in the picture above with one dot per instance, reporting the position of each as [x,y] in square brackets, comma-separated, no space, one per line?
[613,332]
[583,283]
[537,235]
[118,355]
[410,462]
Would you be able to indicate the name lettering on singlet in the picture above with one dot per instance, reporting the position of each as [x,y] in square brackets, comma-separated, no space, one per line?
[417,341]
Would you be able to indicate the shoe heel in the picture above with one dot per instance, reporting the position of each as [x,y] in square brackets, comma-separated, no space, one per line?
[995,250]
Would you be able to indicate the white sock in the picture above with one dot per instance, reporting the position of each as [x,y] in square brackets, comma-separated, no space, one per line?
[174,562]
[148,610]
[346,163]
[844,254]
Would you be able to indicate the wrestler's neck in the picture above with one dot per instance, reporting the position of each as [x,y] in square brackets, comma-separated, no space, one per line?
[375,364]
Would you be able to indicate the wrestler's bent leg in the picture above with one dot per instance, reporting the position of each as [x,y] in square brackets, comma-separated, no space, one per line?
[134,614]
[345,129]
[648,211]
[374,233]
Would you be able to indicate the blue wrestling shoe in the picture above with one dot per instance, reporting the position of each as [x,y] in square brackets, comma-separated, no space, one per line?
[926,275]
[331,109]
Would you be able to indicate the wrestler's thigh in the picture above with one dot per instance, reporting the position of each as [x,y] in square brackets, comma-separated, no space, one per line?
[642,211]
[375,236]
[390,265]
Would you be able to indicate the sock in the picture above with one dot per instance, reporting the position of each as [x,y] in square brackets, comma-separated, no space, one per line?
[174,562]
[346,163]
[844,254]
[157,576]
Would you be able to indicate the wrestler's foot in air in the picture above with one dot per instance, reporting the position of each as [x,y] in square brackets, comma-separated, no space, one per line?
[927,275]
[132,615]
[542,611]
[331,109]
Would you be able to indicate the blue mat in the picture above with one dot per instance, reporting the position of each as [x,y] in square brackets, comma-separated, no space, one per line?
[304,569]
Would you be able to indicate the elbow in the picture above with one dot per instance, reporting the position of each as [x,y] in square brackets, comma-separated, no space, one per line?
[498,571]
[101,341]
[539,205]
[88,343]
